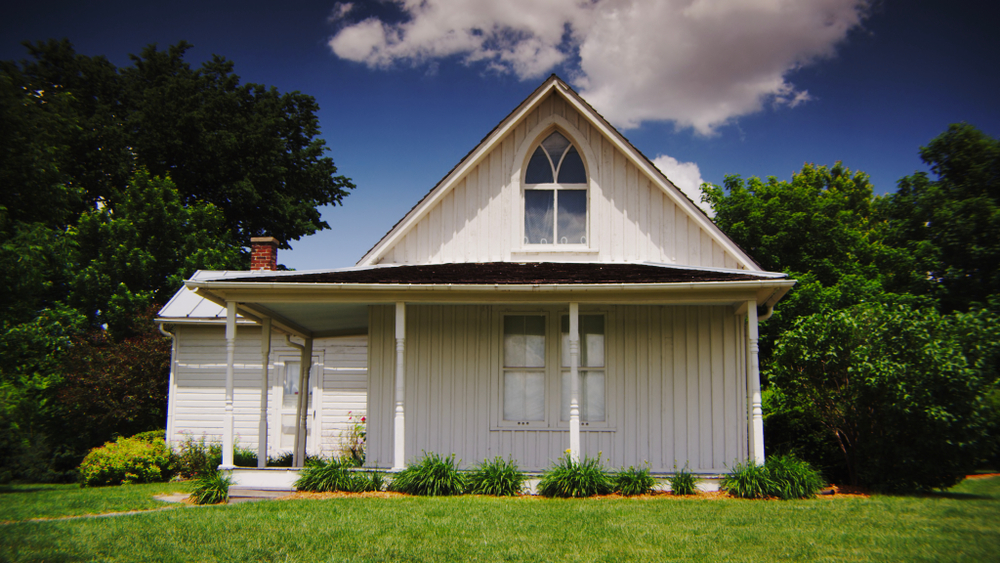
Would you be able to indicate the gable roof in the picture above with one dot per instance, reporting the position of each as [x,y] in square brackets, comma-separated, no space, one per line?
[557,86]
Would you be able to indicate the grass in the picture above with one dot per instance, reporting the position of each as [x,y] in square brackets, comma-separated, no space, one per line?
[960,525]
[23,502]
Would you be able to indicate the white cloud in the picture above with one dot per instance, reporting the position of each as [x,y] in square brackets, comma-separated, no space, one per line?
[686,176]
[697,63]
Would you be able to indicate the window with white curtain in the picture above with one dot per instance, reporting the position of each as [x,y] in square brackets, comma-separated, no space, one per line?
[530,368]
[590,369]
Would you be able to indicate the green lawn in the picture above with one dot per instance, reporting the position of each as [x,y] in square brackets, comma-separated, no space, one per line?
[23,502]
[961,525]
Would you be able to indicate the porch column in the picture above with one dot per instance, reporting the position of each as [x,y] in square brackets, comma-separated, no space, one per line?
[756,426]
[265,359]
[574,378]
[302,406]
[398,436]
[227,422]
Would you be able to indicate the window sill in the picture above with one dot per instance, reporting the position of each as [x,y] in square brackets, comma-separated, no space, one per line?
[514,426]
[561,251]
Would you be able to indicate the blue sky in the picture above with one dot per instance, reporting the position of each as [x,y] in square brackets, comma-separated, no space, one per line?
[408,88]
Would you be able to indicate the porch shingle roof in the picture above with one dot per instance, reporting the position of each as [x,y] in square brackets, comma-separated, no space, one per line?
[531,273]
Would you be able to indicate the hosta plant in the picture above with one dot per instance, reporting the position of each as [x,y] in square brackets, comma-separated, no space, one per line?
[571,478]
[433,475]
[498,478]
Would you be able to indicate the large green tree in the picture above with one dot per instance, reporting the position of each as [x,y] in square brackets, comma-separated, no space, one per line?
[819,228]
[115,185]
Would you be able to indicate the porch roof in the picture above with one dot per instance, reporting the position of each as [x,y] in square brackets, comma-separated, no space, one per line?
[514,273]
[325,303]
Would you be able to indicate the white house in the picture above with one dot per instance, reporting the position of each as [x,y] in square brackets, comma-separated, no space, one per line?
[555,291]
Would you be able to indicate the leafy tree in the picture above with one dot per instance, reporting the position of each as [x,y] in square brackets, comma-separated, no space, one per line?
[899,390]
[951,225]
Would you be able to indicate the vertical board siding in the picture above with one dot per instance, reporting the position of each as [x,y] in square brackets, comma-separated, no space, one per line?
[675,377]
[631,217]
[200,384]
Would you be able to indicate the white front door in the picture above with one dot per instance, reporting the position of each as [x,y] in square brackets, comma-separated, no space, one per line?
[289,392]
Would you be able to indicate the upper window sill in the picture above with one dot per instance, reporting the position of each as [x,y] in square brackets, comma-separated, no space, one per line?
[561,250]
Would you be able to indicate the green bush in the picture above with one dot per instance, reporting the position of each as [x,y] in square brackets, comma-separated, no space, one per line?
[793,478]
[569,478]
[784,477]
[127,460]
[433,475]
[748,480]
[498,478]
[682,482]
[634,481]
[244,457]
[212,487]
[197,457]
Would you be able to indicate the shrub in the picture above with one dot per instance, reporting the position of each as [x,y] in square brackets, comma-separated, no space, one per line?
[433,475]
[784,477]
[498,478]
[365,482]
[197,457]
[682,482]
[634,481]
[244,457]
[281,460]
[127,460]
[793,478]
[569,478]
[748,480]
[212,487]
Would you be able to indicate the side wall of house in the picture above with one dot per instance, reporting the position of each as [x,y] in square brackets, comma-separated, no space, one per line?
[198,384]
[675,388]
[630,217]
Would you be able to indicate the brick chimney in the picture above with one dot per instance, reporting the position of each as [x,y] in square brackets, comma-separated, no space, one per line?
[263,254]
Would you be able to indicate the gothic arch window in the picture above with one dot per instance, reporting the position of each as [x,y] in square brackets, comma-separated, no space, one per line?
[555,194]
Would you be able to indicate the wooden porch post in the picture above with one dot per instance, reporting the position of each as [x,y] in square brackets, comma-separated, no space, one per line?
[398,437]
[302,406]
[265,359]
[574,377]
[756,426]
[227,423]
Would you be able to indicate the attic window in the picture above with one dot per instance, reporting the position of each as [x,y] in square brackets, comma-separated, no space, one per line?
[555,196]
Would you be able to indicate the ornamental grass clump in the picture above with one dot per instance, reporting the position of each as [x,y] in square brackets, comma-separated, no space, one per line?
[139,459]
[747,480]
[325,477]
[634,481]
[433,475]
[682,482]
[499,478]
[212,487]
[793,478]
[785,477]
[569,478]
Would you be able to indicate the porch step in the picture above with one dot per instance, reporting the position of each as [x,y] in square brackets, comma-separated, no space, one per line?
[238,493]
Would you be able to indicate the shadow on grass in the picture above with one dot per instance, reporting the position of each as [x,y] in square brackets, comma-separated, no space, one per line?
[7,489]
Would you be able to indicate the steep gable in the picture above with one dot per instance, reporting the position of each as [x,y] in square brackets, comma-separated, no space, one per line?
[633,212]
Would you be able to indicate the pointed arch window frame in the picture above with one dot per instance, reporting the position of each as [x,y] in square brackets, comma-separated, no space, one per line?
[566,215]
